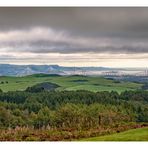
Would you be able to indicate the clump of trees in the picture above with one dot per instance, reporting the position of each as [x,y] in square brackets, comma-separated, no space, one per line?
[4,82]
[45,86]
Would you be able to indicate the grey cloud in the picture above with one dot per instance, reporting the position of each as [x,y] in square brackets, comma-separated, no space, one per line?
[74,30]
[47,40]
[88,21]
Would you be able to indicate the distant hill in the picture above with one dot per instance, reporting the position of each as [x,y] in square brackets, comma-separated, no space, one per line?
[23,70]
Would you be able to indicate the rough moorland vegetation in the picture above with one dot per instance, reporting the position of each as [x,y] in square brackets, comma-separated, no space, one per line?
[61,115]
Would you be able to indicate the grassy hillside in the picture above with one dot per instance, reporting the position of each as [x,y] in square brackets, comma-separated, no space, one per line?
[67,83]
[140,134]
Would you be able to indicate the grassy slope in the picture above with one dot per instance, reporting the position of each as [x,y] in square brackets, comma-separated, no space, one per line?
[67,83]
[140,134]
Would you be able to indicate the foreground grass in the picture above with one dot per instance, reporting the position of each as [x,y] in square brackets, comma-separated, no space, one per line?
[140,134]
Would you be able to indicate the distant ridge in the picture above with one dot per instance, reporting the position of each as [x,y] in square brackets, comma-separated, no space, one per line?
[23,70]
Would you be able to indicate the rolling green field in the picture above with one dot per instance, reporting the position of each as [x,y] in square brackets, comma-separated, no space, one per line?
[66,83]
[140,134]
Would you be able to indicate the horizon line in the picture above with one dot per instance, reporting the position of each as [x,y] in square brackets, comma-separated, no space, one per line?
[72,66]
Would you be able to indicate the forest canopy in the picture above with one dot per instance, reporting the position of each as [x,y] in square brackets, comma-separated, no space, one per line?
[72,109]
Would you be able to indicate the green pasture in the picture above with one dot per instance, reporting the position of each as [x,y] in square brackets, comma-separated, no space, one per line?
[140,134]
[67,83]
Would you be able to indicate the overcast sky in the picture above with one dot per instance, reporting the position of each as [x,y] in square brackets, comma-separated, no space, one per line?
[110,37]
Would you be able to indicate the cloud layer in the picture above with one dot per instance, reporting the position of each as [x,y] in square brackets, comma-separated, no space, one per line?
[48,40]
[73,35]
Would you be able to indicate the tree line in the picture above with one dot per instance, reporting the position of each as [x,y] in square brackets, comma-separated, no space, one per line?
[71,109]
